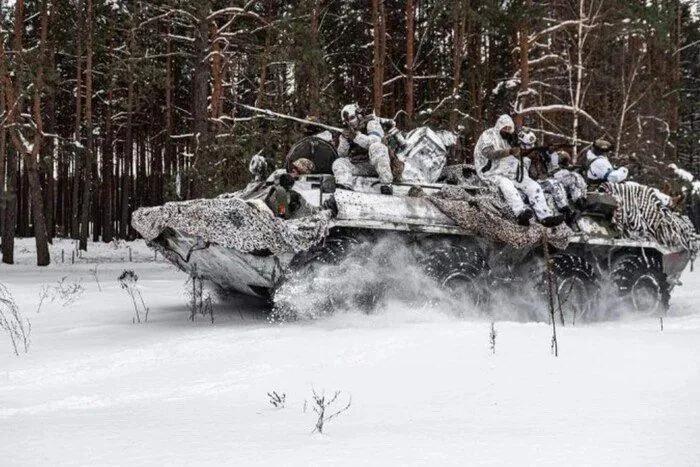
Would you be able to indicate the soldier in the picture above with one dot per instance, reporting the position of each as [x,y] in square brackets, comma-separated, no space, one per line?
[599,167]
[561,184]
[261,166]
[362,150]
[574,183]
[302,166]
[496,157]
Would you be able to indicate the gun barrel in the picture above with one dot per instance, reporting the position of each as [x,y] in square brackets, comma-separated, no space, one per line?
[289,117]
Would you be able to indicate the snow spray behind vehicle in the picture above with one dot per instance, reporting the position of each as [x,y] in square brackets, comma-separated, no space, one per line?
[375,276]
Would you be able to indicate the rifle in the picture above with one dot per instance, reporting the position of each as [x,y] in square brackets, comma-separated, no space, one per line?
[542,151]
[303,121]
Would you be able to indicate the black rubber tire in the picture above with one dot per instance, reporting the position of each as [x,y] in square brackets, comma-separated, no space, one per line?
[370,297]
[336,249]
[575,286]
[642,282]
[332,251]
[461,266]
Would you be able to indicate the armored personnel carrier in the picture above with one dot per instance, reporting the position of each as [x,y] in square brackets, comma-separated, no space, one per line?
[459,231]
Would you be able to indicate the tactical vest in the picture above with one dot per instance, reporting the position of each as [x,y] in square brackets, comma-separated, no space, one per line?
[357,152]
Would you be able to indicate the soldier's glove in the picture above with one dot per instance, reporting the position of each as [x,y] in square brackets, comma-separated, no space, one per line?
[286,181]
[349,134]
[564,159]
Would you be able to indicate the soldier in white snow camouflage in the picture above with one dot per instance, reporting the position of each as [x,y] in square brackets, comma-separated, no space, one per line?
[559,183]
[362,150]
[599,167]
[496,159]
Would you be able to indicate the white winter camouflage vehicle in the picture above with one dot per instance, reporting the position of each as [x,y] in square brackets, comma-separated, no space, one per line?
[460,234]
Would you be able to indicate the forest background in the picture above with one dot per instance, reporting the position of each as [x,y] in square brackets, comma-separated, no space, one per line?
[110,105]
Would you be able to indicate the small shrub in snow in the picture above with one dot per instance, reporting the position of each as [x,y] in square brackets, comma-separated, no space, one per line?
[67,292]
[277,400]
[95,276]
[128,280]
[492,338]
[322,407]
[550,293]
[200,302]
[46,293]
[11,321]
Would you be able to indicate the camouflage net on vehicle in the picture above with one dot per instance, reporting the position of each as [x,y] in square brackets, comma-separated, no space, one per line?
[642,216]
[233,223]
[482,215]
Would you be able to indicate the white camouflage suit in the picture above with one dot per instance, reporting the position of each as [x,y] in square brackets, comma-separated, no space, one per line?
[504,170]
[601,170]
[378,164]
[563,184]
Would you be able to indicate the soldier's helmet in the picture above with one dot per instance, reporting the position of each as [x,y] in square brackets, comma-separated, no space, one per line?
[602,145]
[312,129]
[351,115]
[527,138]
[303,166]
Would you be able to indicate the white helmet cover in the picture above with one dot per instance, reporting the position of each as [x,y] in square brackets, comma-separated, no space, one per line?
[527,138]
[349,112]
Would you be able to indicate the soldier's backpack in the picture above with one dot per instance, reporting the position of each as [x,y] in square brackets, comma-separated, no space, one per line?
[320,152]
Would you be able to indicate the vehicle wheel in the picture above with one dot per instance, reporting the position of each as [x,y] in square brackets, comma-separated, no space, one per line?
[642,281]
[370,297]
[462,271]
[336,249]
[575,288]
[327,259]
[331,252]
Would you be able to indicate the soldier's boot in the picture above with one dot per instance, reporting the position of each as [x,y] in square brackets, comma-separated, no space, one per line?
[581,204]
[331,205]
[524,217]
[570,215]
[552,221]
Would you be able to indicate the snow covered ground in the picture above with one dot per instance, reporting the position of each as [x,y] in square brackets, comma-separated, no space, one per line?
[97,389]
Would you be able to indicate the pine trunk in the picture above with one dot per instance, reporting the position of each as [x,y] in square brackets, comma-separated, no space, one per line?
[77,148]
[170,156]
[3,165]
[107,169]
[200,95]
[410,59]
[457,57]
[217,77]
[202,72]
[128,149]
[89,157]
[524,45]
[314,66]
[10,224]
[379,23]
